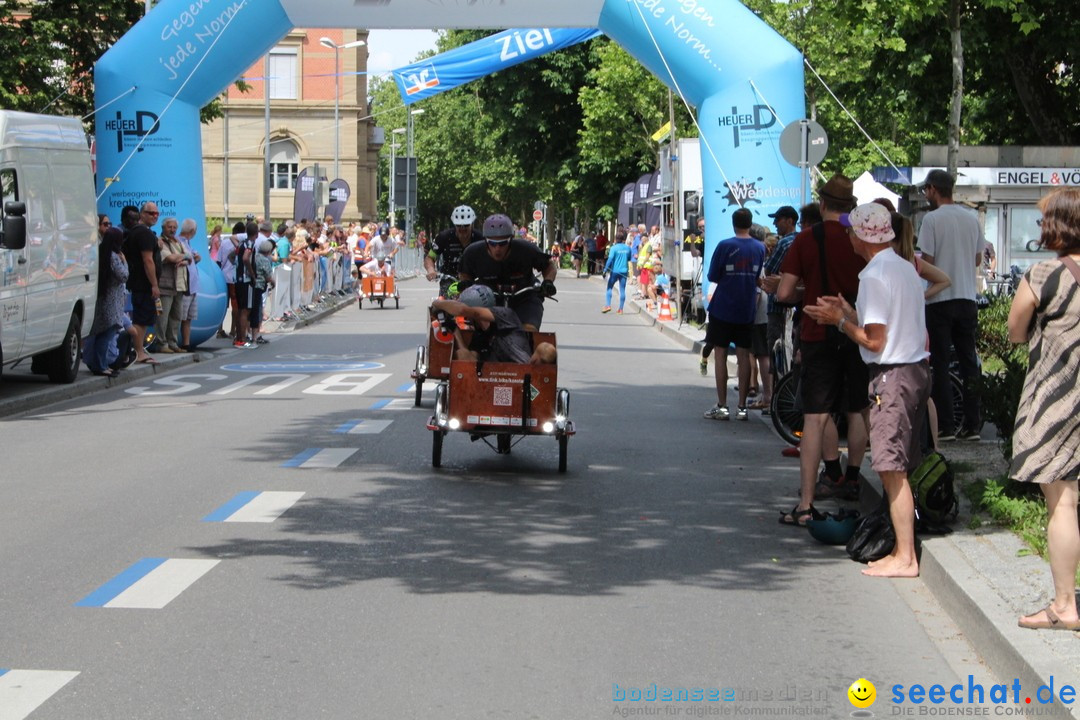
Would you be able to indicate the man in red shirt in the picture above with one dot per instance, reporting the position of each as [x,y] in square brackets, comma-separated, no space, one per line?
[601,249]
[834,376]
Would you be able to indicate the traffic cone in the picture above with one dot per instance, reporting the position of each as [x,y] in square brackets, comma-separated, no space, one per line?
[665,309]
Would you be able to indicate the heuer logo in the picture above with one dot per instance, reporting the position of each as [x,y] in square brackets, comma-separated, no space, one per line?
[423,79]
[144,124]
[752,123]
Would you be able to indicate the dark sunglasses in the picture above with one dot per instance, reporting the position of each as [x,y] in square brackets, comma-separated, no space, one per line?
[505,241]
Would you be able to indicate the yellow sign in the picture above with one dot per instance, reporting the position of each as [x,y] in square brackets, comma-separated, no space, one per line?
[663,132]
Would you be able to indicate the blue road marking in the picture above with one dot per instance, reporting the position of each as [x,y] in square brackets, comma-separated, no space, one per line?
[2,671]
[346,427]
[381,404]
[407,387]
[302,458]
[225,511]
[120,583]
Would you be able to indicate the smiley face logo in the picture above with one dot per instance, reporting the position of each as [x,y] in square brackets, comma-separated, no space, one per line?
[862,693]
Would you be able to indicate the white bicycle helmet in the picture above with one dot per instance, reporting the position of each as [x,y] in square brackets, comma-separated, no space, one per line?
[463,215]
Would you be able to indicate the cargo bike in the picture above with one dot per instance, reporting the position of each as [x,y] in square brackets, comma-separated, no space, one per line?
[378,289]
[433,359]
[500,400]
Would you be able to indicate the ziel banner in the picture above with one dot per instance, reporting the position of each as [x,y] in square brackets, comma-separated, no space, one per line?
[490,55]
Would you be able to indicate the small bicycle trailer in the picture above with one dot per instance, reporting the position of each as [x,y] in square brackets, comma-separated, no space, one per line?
[378,289]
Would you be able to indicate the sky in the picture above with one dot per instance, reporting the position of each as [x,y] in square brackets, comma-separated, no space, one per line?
[391,49]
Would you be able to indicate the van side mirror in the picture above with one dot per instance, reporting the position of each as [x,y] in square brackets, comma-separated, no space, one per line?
[13,235]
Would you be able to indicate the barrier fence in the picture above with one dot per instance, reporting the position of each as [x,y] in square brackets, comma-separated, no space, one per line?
[299,286]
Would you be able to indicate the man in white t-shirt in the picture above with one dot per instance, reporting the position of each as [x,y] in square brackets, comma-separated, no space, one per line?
[951,239]
[891,334]
[378,267]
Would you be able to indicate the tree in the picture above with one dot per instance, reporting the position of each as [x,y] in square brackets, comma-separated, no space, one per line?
[623,105]
[48,49]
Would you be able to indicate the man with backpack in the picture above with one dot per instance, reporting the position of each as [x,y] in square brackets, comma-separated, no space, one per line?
[888,324]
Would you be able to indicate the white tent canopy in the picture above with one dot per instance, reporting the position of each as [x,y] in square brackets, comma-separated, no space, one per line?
[867,189]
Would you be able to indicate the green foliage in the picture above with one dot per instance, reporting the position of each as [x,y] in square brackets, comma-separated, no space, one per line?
[1000,390]
[48,55]
[1017,506]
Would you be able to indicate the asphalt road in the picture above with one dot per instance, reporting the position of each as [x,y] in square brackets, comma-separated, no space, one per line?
[493,587]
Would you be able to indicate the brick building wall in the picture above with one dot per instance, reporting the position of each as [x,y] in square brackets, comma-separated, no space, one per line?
[303,124]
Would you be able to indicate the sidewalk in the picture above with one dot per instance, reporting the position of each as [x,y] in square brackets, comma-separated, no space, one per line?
[983,578]
[20,391]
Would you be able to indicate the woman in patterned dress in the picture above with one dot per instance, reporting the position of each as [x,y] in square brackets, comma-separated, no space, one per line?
[1046,442]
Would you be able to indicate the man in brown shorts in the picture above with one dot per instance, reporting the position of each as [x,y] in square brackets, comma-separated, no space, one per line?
[890,330]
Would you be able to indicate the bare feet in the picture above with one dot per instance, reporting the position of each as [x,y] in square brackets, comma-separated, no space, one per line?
[892,566]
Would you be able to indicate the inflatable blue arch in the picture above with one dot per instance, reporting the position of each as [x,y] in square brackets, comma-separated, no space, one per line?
[743,78]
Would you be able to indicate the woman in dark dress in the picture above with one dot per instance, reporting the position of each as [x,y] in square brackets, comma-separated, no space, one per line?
[109,310]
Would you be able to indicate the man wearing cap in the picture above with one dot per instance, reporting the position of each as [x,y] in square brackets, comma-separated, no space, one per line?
[498,335]
[785,220]
[951,239]
[888,325]
[507,264]
[833,373]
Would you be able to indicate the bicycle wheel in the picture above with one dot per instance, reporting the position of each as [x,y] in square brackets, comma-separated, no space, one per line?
[786,408]
[956,387]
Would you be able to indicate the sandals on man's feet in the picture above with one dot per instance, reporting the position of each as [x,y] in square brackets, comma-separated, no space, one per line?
[798,518]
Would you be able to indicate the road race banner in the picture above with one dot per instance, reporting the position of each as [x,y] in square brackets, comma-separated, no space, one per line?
[449,70]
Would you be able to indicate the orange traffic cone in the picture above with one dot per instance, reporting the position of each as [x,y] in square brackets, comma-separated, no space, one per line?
[665,309]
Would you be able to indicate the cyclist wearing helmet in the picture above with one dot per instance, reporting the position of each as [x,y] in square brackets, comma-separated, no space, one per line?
[445,248]
[506,264]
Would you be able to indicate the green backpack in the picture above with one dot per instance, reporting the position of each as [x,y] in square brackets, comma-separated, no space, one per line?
[936,504]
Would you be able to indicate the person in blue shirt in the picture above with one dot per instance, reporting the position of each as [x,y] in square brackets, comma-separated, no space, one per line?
[617,269]
[734,271]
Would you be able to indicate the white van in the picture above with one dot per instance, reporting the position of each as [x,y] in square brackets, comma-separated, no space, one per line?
[48,245]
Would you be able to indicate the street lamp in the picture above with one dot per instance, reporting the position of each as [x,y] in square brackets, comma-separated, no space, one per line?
[410,201]
[393,173]
[327,42]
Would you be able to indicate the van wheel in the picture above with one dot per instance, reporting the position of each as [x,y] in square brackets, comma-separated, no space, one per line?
[63,362]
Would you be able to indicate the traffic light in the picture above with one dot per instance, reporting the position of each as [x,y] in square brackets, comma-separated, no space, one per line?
[692,210]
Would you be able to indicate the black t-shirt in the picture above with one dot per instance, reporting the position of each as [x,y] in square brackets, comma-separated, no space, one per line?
[449,248]
[139,240]
[512,274]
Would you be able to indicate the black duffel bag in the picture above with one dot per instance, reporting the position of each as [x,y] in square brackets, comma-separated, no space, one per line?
[874,536]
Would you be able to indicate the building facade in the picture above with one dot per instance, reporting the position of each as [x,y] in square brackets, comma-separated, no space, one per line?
[299,76]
